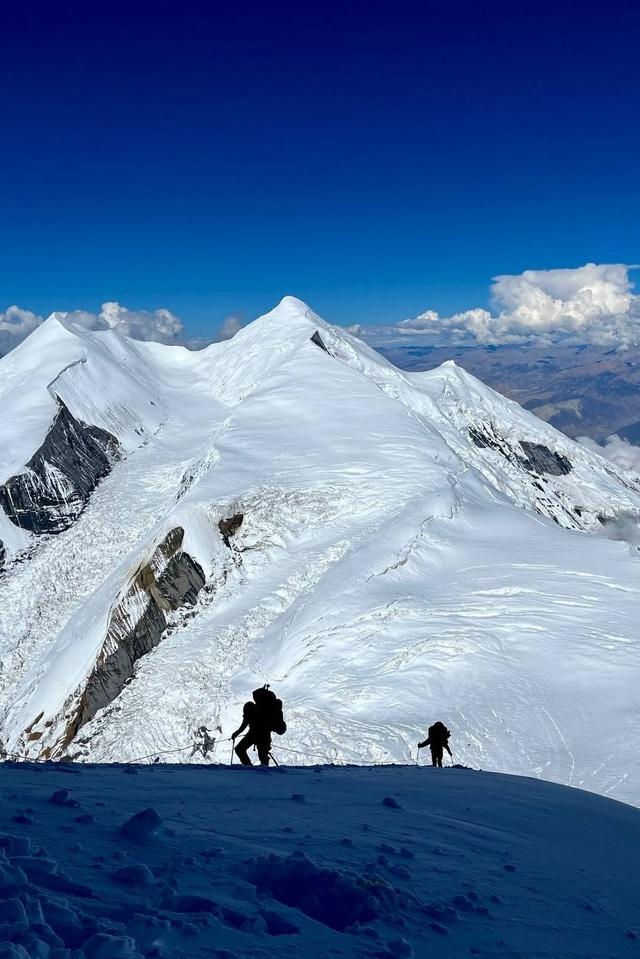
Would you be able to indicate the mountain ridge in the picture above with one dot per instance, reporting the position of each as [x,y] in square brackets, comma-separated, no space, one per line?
[408,544]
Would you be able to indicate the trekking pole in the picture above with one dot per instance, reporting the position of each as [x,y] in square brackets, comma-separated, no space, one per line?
[233,746]
[271,756]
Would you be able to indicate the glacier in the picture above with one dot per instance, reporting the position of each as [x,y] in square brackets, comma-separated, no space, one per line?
[408,547]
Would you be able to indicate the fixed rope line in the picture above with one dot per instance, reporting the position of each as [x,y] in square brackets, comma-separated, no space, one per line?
[24,757]
[135,759]
[161,752]
[178,749]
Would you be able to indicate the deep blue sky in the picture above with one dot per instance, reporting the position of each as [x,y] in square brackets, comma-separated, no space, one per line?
[376,160]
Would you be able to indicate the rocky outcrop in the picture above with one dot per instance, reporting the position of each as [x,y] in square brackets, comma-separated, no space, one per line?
[318,341]
[161,594]
[487,437]
[540,459]
[61,475]
[229,527]
[169,581]
[2,556]
[537,458]
[540,463]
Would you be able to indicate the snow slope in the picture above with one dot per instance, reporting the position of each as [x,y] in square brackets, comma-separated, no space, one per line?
[392,863]
[401,557]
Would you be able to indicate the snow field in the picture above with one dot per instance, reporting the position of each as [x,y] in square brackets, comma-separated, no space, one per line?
[388,571]
[120,862]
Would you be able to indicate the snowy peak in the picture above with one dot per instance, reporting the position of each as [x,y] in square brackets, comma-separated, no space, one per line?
[524,457]
[179,527]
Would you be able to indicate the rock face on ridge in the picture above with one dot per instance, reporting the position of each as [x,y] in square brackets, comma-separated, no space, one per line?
[541,459]
[60,476]
[167,582]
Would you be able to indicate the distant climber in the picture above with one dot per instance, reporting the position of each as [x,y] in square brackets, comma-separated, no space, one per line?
[263,716]
[438,739]
[203,743]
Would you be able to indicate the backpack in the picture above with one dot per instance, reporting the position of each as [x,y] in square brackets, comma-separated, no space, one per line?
[270,708]
[439,734]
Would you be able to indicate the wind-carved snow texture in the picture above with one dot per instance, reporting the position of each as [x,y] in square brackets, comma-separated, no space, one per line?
[387,569]
[126,862]
[60,476]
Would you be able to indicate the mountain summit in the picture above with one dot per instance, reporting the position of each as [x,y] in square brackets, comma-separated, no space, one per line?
[385,548]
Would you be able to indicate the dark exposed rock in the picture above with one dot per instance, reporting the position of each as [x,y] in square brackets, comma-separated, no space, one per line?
[482,440]
[317,339]
[2,556]
[536,460]
[181,582]
[61,475]
[229,527]
[169,581]
[488,437]
[540,459]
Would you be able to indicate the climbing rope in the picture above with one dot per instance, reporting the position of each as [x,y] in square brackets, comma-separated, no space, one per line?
[136,759]
[22,757]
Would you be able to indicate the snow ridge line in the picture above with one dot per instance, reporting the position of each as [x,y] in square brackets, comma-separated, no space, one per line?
[23,757]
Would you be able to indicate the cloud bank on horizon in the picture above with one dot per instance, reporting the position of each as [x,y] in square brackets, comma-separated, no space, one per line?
[594,303]
[159,326]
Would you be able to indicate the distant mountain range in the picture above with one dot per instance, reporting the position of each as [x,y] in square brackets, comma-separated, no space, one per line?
[582,390]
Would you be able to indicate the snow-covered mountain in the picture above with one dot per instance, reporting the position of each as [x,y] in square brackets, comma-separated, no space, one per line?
[385,548]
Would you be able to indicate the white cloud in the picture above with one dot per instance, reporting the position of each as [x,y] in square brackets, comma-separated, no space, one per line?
[15,325]
[623,527]
[161,326]
[229,328]
[356,329]
[617,450]
[594,303]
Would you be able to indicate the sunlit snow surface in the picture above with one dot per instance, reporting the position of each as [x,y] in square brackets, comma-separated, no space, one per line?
[394,863]
[388,571]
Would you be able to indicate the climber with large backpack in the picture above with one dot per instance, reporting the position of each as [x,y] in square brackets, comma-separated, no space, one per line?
[263,716]
[438,739]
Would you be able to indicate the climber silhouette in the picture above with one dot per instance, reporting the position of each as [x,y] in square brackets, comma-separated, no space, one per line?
[263,716]
[438,740]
